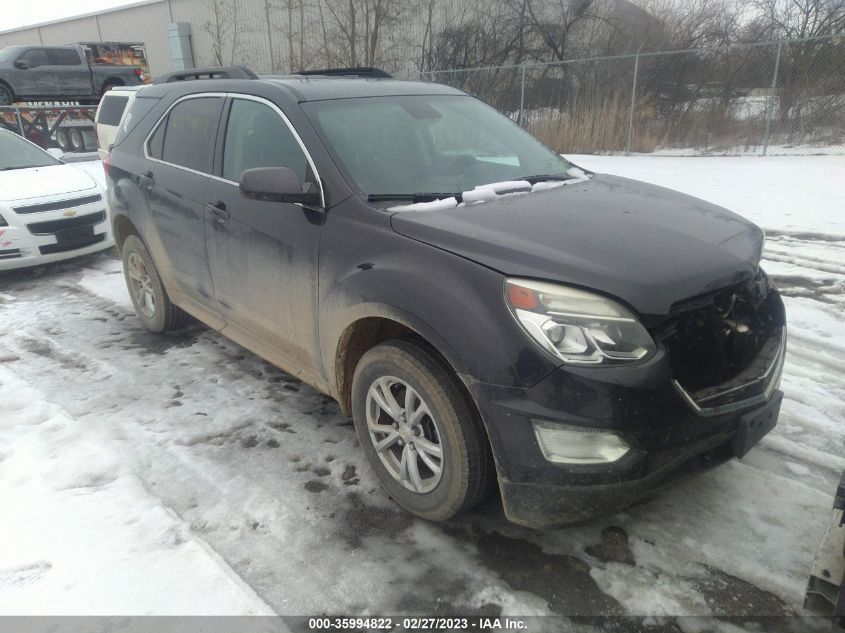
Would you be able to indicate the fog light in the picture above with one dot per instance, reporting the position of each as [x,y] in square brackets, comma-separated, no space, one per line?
[568,445]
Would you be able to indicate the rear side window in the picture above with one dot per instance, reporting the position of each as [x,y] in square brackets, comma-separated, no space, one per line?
[63,57]
[256,136]
[186,137]
[111,109]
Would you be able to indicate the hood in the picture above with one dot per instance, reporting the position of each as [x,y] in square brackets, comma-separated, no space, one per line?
[648,246]
[41,182]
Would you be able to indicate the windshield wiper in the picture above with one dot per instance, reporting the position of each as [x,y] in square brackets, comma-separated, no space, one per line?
[545,178]
[411,197]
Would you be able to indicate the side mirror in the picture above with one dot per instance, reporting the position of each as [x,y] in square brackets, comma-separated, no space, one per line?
[55,152]
[278,184]
[22,64]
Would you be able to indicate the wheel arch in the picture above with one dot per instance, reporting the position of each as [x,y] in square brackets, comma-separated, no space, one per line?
[111,82]
[368,330]
[123,227]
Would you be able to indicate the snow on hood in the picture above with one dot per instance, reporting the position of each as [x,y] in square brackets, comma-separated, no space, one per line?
[41,182]
[493,190]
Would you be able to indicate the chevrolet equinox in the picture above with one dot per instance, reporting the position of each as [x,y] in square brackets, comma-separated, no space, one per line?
[484,309]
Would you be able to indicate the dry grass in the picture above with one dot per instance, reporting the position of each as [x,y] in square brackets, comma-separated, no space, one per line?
[594,123]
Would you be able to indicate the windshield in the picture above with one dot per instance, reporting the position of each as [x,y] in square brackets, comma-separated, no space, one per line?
[16,153]
[428,144]
[7,54]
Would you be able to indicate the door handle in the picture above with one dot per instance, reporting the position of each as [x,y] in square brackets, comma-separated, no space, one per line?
[147,181]
[219,211]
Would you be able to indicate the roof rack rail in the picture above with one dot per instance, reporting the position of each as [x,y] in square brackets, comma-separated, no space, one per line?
[215,72]
[356,71]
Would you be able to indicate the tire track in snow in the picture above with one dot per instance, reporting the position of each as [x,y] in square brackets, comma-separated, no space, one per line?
[236,473]
[808,269]
[72,501]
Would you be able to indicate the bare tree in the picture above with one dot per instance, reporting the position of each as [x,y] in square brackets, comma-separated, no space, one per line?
[806,88]
[555,25]
[425,58]
[794,19]
[218,28]
[359,28]
[227,32]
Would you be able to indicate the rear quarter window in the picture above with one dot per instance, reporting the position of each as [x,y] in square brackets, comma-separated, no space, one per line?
[138,111]
[111,109]
[63,57]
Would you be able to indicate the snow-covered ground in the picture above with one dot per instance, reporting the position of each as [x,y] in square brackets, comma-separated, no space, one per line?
[783,194]
[182,474]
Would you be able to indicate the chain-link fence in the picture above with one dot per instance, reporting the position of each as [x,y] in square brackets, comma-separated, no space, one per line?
[785,97]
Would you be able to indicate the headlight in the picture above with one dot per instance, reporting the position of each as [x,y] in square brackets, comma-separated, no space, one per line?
[576,326]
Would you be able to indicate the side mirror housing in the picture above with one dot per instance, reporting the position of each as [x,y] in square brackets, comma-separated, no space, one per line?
[278,184]
[22,64]
[55,152]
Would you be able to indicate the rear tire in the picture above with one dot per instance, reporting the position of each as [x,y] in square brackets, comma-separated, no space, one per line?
[63,140]
[152,305]
[109,85]
[402,441]
[76,140]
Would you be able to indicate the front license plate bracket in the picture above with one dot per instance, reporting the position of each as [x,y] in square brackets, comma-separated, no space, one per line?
[754,425]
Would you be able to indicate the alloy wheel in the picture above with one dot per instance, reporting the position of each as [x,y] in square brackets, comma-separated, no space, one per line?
[404,434]
[142,285]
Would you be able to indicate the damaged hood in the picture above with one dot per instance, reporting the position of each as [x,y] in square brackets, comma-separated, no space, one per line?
[647,245]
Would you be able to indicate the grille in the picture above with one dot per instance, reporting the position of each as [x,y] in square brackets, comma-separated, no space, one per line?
[53,226]
[59,204]
[10,253]
[61,248]
[714,339]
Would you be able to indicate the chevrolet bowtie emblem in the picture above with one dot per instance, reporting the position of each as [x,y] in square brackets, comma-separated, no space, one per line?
[69,213]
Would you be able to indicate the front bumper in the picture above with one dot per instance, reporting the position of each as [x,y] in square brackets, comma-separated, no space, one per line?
[43,237]
[670,437]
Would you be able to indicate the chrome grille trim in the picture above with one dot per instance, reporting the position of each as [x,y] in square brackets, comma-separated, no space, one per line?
[771,376]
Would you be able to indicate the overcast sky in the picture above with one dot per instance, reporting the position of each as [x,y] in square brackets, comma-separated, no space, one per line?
[16,13]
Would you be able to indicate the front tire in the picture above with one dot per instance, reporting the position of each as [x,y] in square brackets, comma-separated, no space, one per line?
[420,431]
[152,305]
[6,96]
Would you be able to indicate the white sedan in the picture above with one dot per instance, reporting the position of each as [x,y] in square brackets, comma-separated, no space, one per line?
[49,210]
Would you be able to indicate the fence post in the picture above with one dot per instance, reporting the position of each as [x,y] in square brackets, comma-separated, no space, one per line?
[20,121]
[771,108]
[521,96]
[633,103]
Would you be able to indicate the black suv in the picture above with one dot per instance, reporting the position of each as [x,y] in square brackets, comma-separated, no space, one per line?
[483,308]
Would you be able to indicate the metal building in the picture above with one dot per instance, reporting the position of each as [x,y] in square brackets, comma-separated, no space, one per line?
[142,22]
[280,36]
[269,36]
